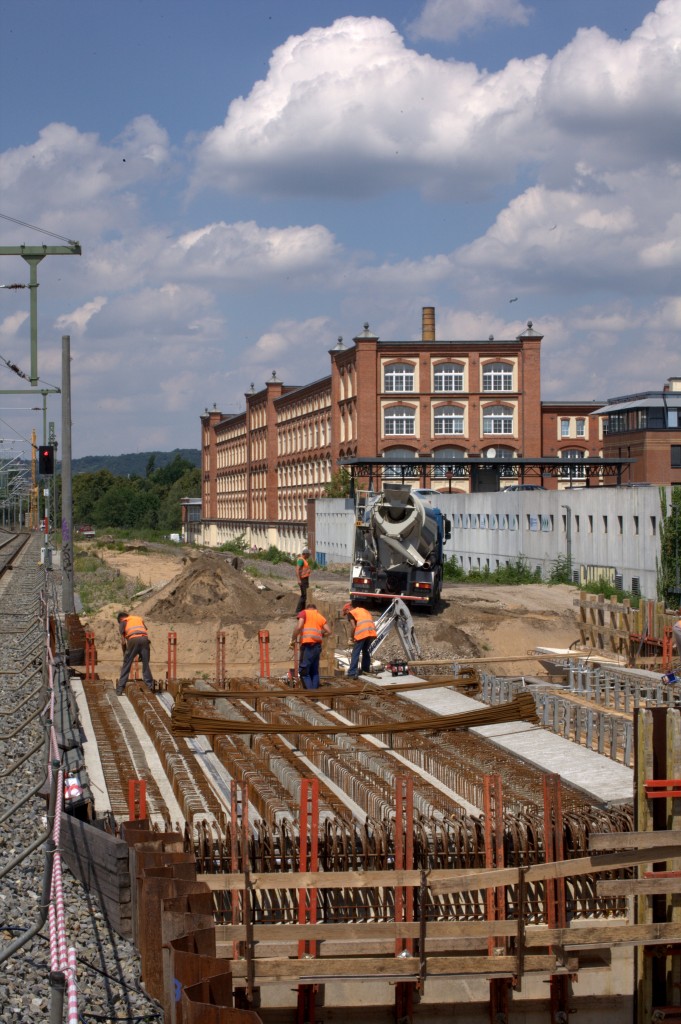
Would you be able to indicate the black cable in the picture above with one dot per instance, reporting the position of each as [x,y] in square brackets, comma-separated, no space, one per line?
[23,224]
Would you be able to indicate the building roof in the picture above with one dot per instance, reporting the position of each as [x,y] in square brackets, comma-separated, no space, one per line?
[644,400]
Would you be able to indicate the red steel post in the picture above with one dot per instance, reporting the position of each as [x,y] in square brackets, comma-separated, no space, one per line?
[499,988]
[264,644]
[404,895]
[90,657]
[220,660]
[172,656]
[137,799]
[308,860]
[556,911]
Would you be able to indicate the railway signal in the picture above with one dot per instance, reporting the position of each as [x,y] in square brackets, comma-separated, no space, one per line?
[46,460]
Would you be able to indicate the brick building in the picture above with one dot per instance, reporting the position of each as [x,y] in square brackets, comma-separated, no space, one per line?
[446,400]
[646,427]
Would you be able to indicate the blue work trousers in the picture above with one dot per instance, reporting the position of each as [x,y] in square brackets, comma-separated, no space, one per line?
[309,665]
[361,648]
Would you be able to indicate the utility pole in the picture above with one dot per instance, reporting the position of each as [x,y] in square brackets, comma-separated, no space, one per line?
[68,603]
[33,254]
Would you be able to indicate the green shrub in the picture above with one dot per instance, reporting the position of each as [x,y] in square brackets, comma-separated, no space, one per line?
[452,570]
[517,572]
[274,555]
[237,546]
[606,588]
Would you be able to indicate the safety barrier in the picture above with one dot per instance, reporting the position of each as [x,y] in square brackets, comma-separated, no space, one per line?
[615,694]
[35,648]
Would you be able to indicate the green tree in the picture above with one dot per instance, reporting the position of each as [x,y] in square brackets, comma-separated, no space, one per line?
[87,489]
[170,511]
[170,474]
[669,565]
[339,484]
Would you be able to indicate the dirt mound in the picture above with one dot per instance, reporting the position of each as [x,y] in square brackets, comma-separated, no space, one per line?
[212,588]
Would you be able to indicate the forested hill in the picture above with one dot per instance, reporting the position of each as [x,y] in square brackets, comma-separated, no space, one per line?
[136,463]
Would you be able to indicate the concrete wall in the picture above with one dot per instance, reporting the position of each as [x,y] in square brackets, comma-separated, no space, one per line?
[334,530]
[614,531]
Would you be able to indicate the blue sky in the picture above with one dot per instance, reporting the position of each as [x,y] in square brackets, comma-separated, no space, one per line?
[251,180]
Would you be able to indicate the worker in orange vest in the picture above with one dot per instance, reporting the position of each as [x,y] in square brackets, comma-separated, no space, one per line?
[135,643]
[303,577]
[676,633]
[310,629]
[364,633]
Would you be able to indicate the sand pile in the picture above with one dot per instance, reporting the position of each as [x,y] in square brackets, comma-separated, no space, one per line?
[212,588]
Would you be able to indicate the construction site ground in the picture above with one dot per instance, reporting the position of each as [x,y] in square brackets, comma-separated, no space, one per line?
[197,592]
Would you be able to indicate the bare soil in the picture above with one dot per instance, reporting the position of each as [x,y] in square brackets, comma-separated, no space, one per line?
[197,593]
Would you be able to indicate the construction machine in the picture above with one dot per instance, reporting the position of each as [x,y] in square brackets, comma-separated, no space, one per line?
[399,547]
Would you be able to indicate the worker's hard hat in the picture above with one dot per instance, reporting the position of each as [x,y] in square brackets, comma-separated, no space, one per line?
[305,551]
[346,608]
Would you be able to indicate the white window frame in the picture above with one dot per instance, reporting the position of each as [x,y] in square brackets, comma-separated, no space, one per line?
[570,455]
[450,455]
[398,472]
[497,420]
[448,421]
[447,377]
[564,427]
[580,426]
[497,377]
[396,420]
[398,378]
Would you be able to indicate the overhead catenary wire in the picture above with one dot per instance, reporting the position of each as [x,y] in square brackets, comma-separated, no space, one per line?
[33,227]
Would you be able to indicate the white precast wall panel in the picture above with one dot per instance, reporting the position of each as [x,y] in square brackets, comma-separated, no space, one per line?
[334,530]
[616,528]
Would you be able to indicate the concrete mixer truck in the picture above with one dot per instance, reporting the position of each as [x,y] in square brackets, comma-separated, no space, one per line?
[399,540]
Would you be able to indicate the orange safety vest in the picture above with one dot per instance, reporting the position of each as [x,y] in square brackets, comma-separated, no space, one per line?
[134,627]
[312,632]
[364,624]
[304,569]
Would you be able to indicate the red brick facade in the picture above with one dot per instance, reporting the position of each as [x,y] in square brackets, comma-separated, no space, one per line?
[442,399]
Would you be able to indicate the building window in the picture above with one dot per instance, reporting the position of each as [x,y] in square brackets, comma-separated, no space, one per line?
[398,377]
[565,428]
[497,377]
[497,419]
[447,455]
[581,428]
[403,469]
[676,456]
[448,377]
[400,419]
[448,419]
[573,455]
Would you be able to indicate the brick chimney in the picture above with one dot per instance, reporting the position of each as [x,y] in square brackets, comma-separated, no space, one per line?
[428,323]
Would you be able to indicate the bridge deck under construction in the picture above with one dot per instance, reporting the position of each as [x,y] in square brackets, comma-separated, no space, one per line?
[600,779]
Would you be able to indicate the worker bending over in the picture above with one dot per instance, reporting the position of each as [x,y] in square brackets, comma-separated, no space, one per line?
[135,643]
[364,633]
[310,630]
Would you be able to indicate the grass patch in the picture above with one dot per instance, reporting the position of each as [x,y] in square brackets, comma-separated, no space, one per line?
[515,573]
[97,584]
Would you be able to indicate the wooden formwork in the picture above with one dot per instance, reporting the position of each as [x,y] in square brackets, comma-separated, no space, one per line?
[642,636]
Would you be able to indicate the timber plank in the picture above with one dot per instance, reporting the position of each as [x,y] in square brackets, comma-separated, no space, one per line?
[599,841]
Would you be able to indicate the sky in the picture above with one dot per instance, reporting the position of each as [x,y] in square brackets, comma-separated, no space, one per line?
[251,181]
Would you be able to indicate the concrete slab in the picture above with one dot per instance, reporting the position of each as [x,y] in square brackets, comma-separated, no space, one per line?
[600,779]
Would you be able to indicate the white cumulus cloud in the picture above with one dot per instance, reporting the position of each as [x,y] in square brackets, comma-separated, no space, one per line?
[448,19]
